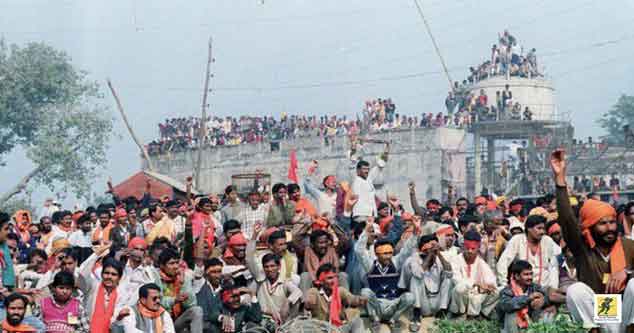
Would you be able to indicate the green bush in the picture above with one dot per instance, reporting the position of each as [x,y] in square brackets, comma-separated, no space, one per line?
[561,324]
[465,326]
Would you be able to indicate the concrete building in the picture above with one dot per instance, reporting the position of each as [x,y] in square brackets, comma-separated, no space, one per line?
[431,157]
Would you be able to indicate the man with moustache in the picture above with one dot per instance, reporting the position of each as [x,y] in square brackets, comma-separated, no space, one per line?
[15,305]
[604,261]
[101,299]
[231,316]
[208,297]
[147,315]
[475,292]
[541,252]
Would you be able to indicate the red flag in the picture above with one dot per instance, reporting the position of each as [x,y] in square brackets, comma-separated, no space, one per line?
[292,167]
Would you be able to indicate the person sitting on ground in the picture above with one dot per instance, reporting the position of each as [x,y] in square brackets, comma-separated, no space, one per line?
[475,293]
[147,316]
[232,316]
[14,322]
[427,275]
[536,248]
[604,260]
[326,301]
[387,302]
[62,312]
[101,297]
[177,294]
[279,298]
[320,252]
[521,301]
[208,295]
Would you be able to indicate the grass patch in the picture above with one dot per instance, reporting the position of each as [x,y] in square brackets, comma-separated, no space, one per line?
[561,324]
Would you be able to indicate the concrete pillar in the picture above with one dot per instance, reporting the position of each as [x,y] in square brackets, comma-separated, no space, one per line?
[477,163]
[490,164]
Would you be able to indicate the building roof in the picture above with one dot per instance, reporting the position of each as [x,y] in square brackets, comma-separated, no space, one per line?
[161,185]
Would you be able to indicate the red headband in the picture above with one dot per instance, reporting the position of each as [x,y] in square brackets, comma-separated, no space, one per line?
[237,239]
[553,229]
[227,294]
[471,244]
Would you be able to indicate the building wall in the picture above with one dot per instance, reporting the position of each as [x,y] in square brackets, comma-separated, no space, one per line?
[537,94]
[429,157]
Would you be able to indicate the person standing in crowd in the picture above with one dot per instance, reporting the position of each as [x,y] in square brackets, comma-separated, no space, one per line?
[603,258]
[326,199]
[82,237]
[136,272]
[8,277]
[282,210]
[101,234]
[326,300]
[233,206]
[253,214]
[146,316]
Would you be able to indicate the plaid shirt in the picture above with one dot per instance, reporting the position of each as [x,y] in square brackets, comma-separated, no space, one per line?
[250,217]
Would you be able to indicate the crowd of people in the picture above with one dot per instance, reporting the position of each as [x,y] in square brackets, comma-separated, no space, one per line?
[508,58]
[180,134]
[210,263]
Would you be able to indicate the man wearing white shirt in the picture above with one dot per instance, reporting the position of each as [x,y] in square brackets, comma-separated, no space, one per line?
[536,248]
[82,237]
[363,186]
[62,228]
[146,315]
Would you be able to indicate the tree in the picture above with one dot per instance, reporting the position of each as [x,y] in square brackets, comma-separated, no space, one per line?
[620,115]
[55,114]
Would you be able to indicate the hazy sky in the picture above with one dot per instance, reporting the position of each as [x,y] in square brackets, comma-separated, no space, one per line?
[268,51]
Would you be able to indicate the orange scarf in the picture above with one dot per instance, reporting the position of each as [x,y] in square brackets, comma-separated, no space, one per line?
[22,328]
[522,315]
[154,315]
[102,234]
[335,299]
[591,212]
[101,315]
[304,205]
[177,282]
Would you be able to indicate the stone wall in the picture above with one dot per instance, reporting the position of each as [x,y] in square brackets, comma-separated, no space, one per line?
[431,158]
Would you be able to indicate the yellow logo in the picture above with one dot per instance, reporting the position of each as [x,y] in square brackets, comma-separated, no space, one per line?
[607,308]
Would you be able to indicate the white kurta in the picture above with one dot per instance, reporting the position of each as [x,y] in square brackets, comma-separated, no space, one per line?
[545,265]
[466,298]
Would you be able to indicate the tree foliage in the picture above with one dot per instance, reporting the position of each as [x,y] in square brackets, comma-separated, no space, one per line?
[621,114]
[55,114]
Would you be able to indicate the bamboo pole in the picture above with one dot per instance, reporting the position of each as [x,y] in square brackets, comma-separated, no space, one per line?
[127,124]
